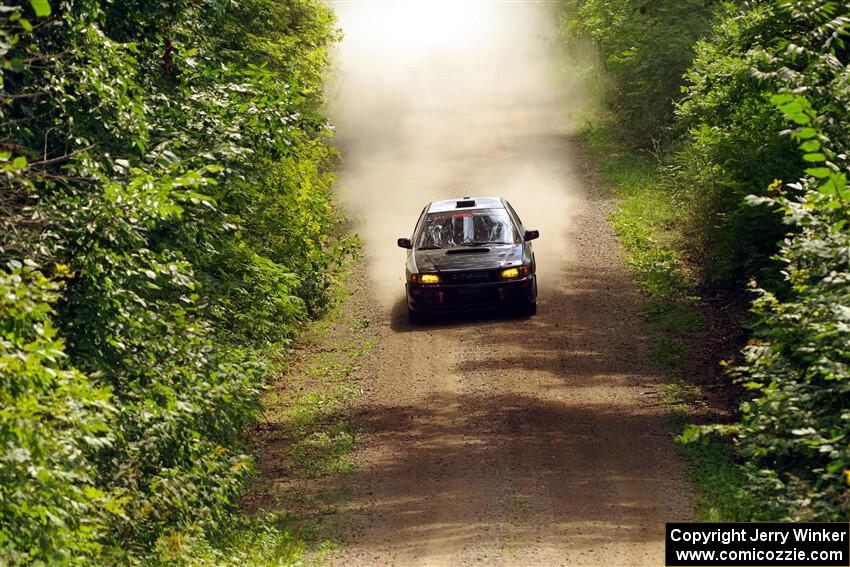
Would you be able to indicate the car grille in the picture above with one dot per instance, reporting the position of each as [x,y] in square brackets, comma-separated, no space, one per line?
[470,277]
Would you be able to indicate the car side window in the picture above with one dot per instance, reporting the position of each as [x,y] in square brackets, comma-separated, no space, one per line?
[419,223]
[519,226]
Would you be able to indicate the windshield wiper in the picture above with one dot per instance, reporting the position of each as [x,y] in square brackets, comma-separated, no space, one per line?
[430,248]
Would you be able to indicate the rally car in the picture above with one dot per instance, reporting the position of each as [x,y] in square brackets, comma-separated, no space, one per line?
[469,253]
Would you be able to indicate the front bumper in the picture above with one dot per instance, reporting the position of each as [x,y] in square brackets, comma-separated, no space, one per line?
[466,297]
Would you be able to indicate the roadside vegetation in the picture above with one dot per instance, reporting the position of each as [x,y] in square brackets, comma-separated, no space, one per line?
[307,431]
[293,508]
[165,221]
[726,136]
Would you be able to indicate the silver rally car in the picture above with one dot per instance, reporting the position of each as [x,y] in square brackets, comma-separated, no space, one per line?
[468,254]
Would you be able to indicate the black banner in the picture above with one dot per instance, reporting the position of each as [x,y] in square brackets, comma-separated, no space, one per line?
[758,545]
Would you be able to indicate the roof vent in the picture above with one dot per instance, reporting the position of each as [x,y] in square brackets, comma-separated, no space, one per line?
[467,202]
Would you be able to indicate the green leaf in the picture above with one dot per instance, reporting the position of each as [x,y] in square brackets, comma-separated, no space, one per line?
[827,188]
[818,172]
[814,157]
[810,146]
[791,108]
[780,99]
[41,7]
[690,434]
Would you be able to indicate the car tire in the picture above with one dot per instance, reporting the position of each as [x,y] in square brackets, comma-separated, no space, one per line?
[530,309]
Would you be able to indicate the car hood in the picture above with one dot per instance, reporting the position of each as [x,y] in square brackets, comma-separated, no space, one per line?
[473,258]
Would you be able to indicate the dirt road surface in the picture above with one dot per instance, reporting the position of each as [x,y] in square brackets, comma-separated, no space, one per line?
[494,440]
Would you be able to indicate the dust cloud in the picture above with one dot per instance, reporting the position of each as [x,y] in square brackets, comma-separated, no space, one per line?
[439,99]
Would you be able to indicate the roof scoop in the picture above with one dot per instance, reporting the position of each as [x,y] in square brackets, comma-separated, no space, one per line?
[465,203]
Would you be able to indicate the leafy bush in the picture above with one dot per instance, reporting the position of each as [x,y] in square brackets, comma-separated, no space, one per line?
[53,423]
[732,147]
[170,160]
[795,428]
[645,49]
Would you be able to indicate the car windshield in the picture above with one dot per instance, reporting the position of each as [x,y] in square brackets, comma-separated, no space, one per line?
[466,228]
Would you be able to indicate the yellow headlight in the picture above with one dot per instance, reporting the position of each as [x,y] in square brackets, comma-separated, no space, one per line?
[510,273]
[430,278]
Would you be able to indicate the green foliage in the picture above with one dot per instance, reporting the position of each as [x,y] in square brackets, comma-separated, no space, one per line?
[725,492]
[53,424]
[732,147]
[247,542]
[795,425]
[683,72]
[795,430]
[645,49]
[171,161]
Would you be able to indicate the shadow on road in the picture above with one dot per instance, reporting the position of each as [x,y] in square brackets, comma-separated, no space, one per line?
[399,322]
[555,440]
[557,455]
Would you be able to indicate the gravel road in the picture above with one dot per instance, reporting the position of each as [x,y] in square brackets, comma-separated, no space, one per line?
[493,440]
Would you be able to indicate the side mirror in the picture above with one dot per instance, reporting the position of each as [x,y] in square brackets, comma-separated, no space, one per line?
[529,235]
[405,243]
